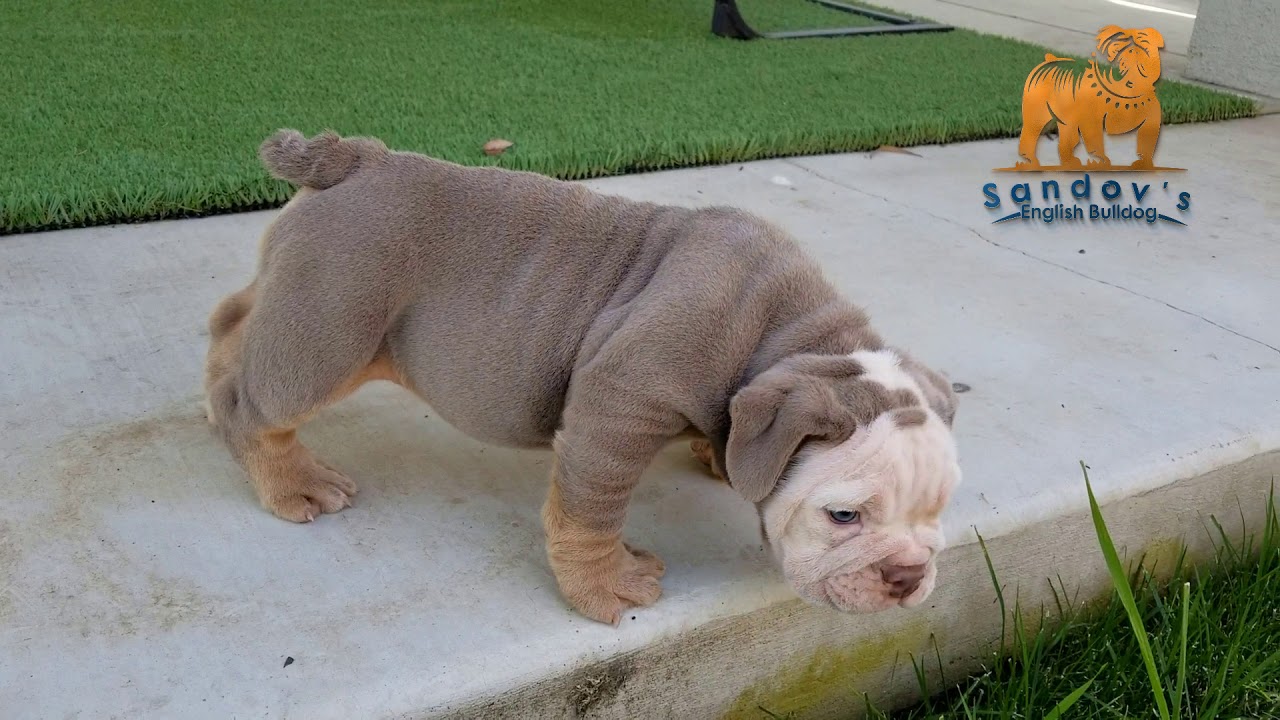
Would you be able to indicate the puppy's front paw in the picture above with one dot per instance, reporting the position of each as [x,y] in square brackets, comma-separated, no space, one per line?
[602,588]
[302,493]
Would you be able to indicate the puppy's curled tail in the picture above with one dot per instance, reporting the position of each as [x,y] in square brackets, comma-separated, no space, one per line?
[321,162]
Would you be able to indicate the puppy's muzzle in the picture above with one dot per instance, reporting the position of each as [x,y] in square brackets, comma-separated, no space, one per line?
[903,580]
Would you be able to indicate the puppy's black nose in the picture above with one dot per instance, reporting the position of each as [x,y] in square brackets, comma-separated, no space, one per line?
[902,579]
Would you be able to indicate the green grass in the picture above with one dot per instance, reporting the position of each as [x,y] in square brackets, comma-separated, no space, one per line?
[125,111]
[1205,645]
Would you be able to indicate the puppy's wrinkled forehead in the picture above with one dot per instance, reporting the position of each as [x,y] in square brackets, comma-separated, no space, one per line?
[814,400]
[890,384]
[899,464]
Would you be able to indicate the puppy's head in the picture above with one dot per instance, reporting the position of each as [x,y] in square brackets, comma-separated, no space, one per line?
[1135,52]
[851,462]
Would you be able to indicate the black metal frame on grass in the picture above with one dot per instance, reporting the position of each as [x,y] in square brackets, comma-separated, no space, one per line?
[727,21]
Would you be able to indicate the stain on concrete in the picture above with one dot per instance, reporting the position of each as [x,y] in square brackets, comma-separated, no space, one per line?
[175,603]
[1161,557]
[103,473]
[818,678]
[599,685]
[93,464]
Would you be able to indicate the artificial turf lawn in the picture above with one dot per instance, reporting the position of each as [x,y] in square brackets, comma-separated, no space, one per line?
[154,108]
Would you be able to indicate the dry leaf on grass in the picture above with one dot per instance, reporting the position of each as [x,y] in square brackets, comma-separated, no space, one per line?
[497,146]
[896,149]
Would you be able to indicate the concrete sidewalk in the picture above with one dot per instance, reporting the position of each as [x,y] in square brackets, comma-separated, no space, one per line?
[139,578]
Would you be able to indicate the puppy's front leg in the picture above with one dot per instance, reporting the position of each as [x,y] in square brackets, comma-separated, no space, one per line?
[604,447]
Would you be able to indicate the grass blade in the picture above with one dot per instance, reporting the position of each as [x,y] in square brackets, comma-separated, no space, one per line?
[1069,700]
[995,582]
[1182,654]
[1121,583]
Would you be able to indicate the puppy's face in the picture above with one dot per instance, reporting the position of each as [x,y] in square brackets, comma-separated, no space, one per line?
[854,516]
[856,524]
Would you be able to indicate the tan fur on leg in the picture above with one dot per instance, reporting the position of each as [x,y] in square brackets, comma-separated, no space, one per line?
[608,438]
[288,479]
[290,482]
[701,450]
[598,574]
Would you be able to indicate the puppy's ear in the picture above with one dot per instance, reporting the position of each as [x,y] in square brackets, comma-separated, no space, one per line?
[1111,40]
[784,406]
[937,389]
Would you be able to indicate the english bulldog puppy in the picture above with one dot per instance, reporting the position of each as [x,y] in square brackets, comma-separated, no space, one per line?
[531,312]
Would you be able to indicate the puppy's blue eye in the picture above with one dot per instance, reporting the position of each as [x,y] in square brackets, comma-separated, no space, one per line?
[843,517]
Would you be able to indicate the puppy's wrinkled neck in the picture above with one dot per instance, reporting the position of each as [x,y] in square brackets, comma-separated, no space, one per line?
[834,327]
[819,323]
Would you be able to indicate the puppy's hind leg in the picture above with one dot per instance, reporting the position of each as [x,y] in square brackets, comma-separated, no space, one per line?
[272,366]
[226,325]
[704,454]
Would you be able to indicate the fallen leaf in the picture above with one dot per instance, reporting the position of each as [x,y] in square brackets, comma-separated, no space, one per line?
[497,146]
[896,149]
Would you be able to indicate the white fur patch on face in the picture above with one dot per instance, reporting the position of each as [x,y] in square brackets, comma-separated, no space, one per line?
[885,367]
[898,480]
